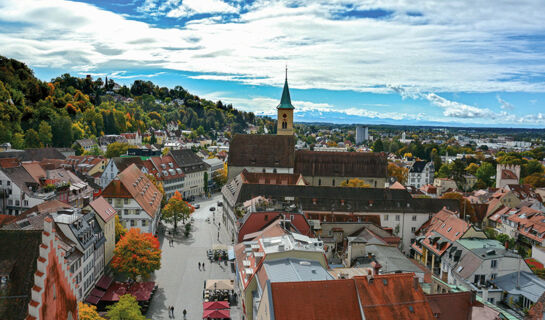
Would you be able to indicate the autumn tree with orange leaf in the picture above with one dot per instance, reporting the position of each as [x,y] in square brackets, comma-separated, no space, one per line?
[176,210]
[137,254]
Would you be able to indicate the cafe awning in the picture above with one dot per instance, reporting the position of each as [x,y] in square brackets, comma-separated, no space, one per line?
[97,293]
[142,291]
[215,305]
[216,314]
[219,285]
[92,300]
[116,290]
[104,282]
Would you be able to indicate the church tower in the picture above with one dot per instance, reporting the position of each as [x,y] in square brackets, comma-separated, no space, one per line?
[285,111]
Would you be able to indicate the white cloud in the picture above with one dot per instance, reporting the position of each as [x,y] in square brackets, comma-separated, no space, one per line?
[441,50]
[504,105]
[458,110]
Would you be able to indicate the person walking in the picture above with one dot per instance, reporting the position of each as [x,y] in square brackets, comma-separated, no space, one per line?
[185,313]
[169,313]
[199,266]
[203,267]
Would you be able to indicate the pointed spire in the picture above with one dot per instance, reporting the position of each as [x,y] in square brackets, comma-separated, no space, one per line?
[285,101]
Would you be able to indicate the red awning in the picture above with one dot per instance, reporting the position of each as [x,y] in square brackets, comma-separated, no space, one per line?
[217,314]
[215,305]
[104,282]
[92,300]
[97,293]
[116,290]
[142,291]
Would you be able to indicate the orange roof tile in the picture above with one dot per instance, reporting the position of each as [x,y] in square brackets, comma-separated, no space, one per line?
[392,296]
[333,299]
[134,184]
[103,208]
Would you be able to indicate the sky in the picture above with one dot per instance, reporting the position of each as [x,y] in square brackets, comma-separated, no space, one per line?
[411,62]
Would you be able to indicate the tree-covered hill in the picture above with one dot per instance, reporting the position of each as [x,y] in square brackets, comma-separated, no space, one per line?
[35,113]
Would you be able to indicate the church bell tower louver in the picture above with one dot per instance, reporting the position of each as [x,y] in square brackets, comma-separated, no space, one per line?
[285,111]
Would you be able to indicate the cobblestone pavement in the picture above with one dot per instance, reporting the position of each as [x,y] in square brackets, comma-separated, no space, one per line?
[179,279]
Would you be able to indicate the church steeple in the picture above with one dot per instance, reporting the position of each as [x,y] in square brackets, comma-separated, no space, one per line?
[285,101]
[285,111]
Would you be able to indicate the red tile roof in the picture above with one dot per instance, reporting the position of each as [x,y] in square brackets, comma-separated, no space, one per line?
[333,299]
[9,162]
[35,170]
[155,167]
[442,305]
[132,183]
[103,208]
[392,296]
[444,224]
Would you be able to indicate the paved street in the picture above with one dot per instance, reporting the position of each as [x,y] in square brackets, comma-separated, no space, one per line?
[179,279]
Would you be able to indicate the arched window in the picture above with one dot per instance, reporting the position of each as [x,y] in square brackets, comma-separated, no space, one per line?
[319,182]
[284,125]
[333,182]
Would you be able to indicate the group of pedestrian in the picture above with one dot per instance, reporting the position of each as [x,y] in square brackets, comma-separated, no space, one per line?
[171,313]
[201,267]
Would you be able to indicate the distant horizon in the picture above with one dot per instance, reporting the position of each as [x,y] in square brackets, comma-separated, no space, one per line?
[471,65]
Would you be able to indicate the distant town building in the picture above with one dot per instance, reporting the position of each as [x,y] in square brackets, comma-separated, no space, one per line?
[420,174]
[507,174]
[362,134]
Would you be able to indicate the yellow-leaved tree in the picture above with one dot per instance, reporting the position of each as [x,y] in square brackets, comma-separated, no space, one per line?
[355,183]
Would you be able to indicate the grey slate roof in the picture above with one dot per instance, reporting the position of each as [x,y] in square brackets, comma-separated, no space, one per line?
[188,161]
[418,166]
[34,154]
[22,248]
[530,285]
[343,199]
[20,177]
[391,259]
[290,269]
[123,163]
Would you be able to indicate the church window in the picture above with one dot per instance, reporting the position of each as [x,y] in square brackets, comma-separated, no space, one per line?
[284,116]
[284,125]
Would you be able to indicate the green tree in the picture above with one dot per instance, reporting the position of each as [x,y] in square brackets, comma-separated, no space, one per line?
[378,146]
[126,308]
[444,171]
[120,230]
[485,173]
[46,135]
[533,166]
[32,139]
[116,149]
[62,132]
[18,141]
[205,182]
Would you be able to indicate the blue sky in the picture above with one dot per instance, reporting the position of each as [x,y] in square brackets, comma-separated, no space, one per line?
[429,62]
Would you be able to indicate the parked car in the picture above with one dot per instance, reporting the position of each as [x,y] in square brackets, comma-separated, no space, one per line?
[197,206]
[220,204]
[212,209]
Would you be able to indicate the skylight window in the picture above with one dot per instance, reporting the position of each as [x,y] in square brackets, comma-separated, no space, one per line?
[450,228]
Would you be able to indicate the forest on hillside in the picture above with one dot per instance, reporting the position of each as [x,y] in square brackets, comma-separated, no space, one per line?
[37,113]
